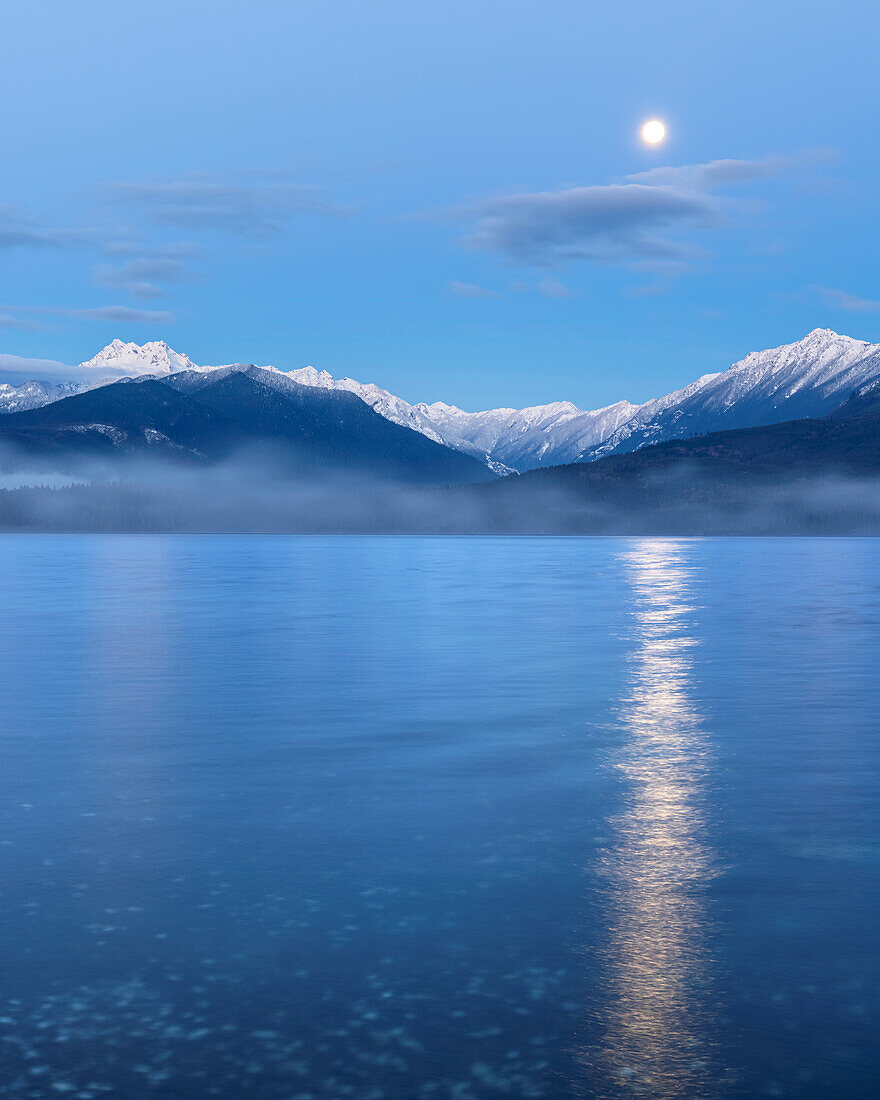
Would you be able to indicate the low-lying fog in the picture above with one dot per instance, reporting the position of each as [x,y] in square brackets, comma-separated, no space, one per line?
[250,496]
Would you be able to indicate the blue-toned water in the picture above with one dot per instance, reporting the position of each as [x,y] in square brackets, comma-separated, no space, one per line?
[443,819]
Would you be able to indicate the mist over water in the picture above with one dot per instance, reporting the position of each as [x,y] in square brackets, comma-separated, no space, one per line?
[459,818]
[251,494]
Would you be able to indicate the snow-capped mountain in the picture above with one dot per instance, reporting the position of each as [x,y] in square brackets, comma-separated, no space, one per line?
[34,394]
[391,407]
[117,360]
[29,395]
[521,439]
[806,379]
[292,431]
[153,358]
[506,439]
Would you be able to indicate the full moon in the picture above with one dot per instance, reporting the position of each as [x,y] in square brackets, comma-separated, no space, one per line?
[653,131]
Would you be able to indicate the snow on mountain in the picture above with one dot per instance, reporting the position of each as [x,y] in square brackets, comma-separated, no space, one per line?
[521,439]
[506,439]
[153,358]
[34,394]
[806,379]
[29,395]
[391,407]
[117,360]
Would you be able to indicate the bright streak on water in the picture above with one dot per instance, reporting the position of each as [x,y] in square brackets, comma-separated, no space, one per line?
[657,1017]
[439,819]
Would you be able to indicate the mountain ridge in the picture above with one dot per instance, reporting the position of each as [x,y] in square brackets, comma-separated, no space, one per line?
[304,430]
[806,378]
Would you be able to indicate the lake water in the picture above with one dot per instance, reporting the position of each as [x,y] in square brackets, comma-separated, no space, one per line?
[442,819]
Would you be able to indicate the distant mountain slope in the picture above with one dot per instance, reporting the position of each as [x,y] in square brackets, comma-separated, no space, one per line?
[818,474]
[302,429]
[34,394]
[806,379]
[865,401]
[523,439]
[559,431]
[507,439]
[339,428]
[29,395]
[117,360]
[116,421]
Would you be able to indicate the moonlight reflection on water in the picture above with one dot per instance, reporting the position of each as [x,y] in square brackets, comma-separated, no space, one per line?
[657,965]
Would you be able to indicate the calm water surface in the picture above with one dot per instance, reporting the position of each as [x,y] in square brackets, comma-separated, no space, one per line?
[442,819]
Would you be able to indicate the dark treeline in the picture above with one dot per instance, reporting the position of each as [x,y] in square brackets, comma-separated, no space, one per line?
[677,503]
[799,477]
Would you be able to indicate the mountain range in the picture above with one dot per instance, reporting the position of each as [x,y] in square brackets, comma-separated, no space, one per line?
[197,419]
[811,476]
[250,448]
[808,378]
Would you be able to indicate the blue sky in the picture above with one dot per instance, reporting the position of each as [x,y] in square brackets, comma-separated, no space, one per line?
[449,199]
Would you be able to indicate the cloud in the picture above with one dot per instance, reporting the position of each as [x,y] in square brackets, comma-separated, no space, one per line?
[841,300]
[549,287]
[17,231]
[134,248]
[719,173]
[639,220]
[255,211]
[120,314]
[17,369]
[7,320]
[589,223]
[471,290]
[134,288]
[142,276]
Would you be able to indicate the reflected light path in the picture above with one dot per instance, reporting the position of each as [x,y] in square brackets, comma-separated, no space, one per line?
[657,1012]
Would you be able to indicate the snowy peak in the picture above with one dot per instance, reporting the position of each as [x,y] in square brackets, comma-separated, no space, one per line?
[29,395]
[820,337]
[823,359]
[154,357]
[822,345]
[808,378]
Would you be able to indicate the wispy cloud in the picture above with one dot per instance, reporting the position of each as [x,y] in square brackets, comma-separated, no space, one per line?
[471,290]
[119,314]
[841,300]
[608,222]
[641,220]
[715,174]
[19,231]
[256,211]
[549,287]
[147,275]
[123,314]
[19,368]
[7,320]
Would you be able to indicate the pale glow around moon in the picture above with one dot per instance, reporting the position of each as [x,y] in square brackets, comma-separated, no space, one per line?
[654,131]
